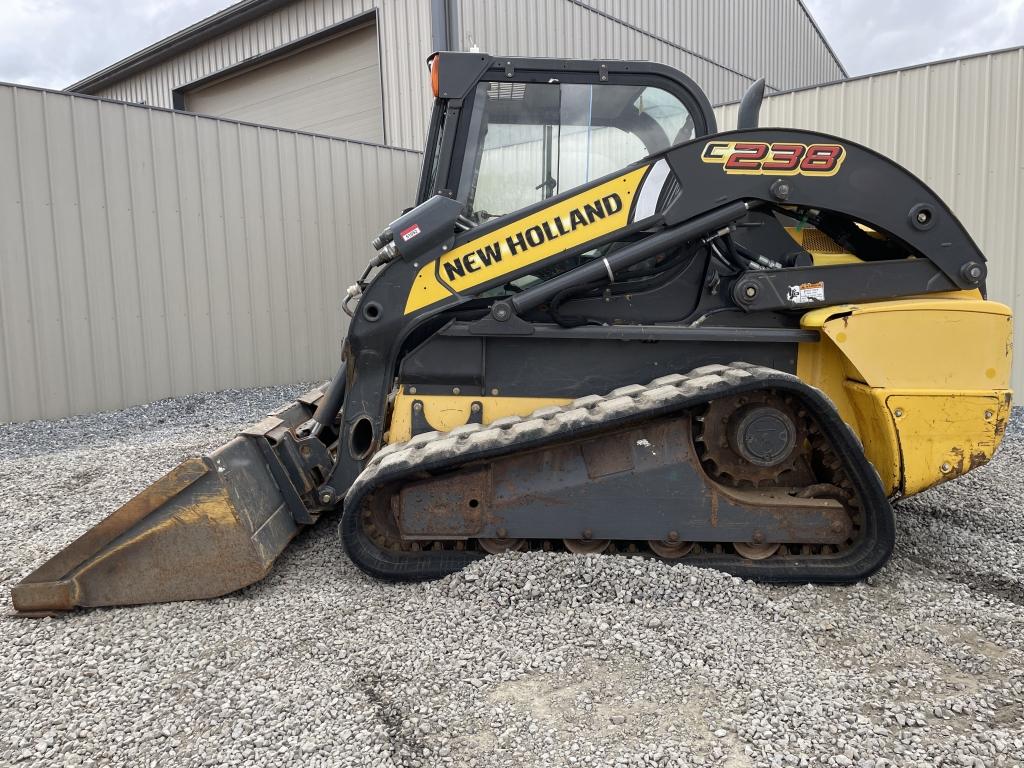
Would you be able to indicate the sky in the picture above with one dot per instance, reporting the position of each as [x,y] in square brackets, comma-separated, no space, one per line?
[53,43]
[875,35]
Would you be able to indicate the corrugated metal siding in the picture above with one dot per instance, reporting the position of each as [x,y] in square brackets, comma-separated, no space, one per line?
[332,87]
[751,37]
[959,126]
[773,38]
[566,30]
[147,253]
[403,26]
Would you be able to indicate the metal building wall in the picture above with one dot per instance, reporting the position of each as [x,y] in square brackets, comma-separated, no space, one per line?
[743,39]
[959,126]
[403,27]
[747,39]
[147,253]
[776,39]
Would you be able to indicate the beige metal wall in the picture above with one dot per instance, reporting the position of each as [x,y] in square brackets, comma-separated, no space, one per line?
[146,253]
[331,87]
[722,44]
[776,39]
[403,26]
[959,126]
[744,38]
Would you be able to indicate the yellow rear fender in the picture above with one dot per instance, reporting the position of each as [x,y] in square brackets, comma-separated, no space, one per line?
[924,382]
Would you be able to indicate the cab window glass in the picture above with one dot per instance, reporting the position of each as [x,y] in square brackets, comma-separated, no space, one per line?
[531,141]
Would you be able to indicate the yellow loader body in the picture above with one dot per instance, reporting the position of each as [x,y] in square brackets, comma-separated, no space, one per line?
[924,382]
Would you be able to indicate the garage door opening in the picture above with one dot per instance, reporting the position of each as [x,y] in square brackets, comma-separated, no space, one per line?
[332,87]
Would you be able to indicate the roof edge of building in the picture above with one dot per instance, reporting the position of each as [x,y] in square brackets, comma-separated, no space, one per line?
[821,34]
[891,71]
[217,24]
[245,10]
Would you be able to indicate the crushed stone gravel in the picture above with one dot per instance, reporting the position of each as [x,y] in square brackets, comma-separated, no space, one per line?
[520,660]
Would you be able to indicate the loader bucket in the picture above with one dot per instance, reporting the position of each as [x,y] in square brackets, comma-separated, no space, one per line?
[208,527]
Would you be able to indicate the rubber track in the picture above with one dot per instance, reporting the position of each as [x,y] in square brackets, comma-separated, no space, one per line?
[436,451]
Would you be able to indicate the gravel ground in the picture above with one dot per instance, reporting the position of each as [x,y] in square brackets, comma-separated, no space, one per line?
[520,660]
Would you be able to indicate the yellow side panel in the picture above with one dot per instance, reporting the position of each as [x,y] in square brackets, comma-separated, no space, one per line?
[445,412]
[877,432]
[944,436]
[925,343]
[924,382]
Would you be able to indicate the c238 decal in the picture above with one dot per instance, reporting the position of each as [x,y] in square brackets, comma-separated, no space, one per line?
[758,158]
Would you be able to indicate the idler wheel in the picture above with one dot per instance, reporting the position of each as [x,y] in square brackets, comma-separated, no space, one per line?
[671,550]
[586,546]
[755,551]
[500,546]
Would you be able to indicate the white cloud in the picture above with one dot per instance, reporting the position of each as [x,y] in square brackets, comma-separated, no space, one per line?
[54,43]
[873,36]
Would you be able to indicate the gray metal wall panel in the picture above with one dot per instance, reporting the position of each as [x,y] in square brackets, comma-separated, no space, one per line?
[771,38]
[744,39]
[565,29]
[959,126]
[332,87]
[403,26]
[148,253]
[751,37]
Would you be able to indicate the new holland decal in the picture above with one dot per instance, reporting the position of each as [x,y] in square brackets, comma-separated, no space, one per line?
[575,221]
[758,158]
[458,266]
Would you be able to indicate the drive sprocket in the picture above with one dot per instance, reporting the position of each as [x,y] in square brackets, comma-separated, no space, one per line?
[756,439]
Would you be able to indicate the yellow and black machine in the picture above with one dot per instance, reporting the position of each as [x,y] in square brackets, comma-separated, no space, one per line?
[605,327]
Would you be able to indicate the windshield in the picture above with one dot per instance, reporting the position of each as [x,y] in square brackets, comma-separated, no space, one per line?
[531,141]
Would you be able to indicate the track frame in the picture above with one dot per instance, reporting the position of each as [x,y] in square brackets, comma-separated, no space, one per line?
[436,452]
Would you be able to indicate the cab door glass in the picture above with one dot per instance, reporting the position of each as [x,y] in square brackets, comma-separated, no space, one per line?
[531,141]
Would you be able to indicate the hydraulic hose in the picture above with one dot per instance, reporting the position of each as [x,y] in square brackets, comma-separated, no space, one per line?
[536,295]
[331,403]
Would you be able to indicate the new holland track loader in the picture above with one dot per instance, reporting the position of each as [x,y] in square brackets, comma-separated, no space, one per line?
[605,327]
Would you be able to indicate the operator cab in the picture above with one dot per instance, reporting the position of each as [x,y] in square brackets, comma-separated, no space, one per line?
[510,132]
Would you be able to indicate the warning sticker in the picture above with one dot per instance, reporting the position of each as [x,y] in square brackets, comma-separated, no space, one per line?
[806,293]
